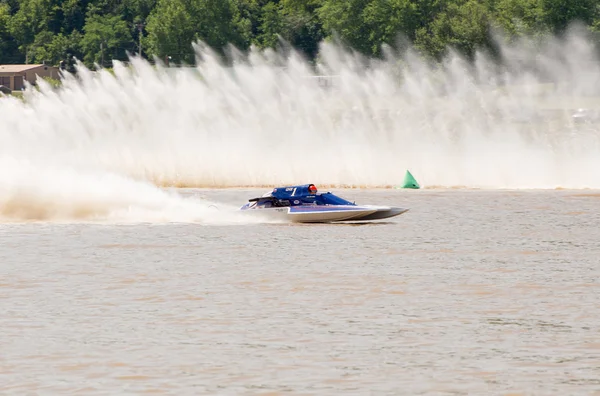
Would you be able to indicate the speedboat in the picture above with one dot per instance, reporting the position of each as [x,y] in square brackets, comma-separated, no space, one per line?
[304,204]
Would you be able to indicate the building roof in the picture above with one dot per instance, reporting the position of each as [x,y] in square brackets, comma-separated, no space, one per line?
[18,68]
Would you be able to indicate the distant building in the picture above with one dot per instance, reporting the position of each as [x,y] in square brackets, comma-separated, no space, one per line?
[13,76]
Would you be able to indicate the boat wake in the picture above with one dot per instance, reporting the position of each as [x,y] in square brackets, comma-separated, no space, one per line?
[34,193]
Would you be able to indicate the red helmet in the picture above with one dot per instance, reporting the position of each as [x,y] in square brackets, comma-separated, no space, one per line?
[312,189]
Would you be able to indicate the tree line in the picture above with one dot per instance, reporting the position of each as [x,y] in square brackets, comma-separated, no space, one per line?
[98,31]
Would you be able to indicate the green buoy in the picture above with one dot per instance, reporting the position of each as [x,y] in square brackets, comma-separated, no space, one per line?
[410,181]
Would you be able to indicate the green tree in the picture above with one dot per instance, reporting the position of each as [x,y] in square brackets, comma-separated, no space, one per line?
[9,51]
[32,18]
[52,49]
[521,17]
[296,21]
[106,37]
[343,17]
[250,12]
[303,27]
[386,18]
[271,25]
[74,12]
[367,24]
[560,13]
[463,25]
[175,24]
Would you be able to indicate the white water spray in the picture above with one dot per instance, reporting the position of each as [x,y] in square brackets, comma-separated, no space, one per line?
[255,124]
[30,192]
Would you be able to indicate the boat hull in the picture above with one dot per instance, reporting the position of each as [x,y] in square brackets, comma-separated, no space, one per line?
[329,213]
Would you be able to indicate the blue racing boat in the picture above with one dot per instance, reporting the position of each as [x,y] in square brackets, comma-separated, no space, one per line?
[304,204]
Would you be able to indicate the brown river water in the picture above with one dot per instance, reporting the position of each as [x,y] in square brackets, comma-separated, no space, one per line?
[470,292]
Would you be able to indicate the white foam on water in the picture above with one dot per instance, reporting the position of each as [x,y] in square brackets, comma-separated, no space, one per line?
[44,193]
[91,149]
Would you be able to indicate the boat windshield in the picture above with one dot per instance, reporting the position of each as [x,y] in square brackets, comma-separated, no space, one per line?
[330,199]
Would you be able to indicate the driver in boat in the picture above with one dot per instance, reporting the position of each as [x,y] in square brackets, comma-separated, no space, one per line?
[268,204]
[311,189]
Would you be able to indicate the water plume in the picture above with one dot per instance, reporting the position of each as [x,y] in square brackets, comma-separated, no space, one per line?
[270,118]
